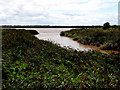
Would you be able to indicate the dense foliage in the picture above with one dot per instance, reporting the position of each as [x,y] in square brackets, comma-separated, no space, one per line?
[106,25]
[37,64]
[34,32]
[108,39]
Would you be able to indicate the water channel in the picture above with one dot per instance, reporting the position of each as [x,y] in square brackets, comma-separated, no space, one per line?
[53,34]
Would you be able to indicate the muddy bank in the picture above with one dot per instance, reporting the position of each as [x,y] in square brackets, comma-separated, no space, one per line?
[105,41]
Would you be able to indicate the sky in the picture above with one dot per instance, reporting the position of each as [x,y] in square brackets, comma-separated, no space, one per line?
[58,12]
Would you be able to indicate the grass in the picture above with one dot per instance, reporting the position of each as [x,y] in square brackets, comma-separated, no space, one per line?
[106,39]
[38,64]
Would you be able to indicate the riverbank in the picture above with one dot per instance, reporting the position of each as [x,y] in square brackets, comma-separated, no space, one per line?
[38,64]
[105,39]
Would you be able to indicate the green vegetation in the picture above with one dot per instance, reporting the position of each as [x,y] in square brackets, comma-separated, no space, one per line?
[37,64]
[34,32]
[0,43]
[108,39]
[106,25]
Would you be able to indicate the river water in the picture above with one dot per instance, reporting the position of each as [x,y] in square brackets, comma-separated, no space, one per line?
[53,34]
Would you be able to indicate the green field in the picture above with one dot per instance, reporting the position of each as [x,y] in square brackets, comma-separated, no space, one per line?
[38,64]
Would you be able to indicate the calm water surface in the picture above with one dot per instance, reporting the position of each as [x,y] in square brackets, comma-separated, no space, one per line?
[53,34]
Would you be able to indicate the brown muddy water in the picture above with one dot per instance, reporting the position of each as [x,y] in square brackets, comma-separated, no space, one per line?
[53,34]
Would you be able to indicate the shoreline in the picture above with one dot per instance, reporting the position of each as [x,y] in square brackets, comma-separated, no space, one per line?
[71,34]
[96,48]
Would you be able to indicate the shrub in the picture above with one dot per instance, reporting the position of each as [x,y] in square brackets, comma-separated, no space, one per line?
[62,34]
[34,32]
[106,25]
[114,26]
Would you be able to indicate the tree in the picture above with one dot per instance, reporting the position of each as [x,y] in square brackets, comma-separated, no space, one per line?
[106,25]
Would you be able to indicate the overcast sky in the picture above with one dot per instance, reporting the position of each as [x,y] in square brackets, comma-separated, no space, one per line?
[59,12]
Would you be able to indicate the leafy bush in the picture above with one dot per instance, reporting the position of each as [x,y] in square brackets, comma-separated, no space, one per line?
[34,32]
[62,33]
[106,25]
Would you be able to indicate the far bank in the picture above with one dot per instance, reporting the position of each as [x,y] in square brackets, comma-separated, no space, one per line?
[108,39]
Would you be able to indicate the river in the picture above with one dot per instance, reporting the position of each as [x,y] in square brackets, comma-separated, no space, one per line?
[53,34]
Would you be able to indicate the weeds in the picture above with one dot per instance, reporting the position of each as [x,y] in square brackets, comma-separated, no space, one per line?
[37,64]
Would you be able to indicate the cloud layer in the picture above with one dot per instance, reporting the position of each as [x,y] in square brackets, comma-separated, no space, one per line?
[58,12]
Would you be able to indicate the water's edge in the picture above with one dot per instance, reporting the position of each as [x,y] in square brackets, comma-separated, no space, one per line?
[53,34]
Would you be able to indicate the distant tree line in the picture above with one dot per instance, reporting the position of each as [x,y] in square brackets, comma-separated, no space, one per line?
[105,26]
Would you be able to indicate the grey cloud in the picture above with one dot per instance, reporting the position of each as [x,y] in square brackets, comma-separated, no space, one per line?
[35,12]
